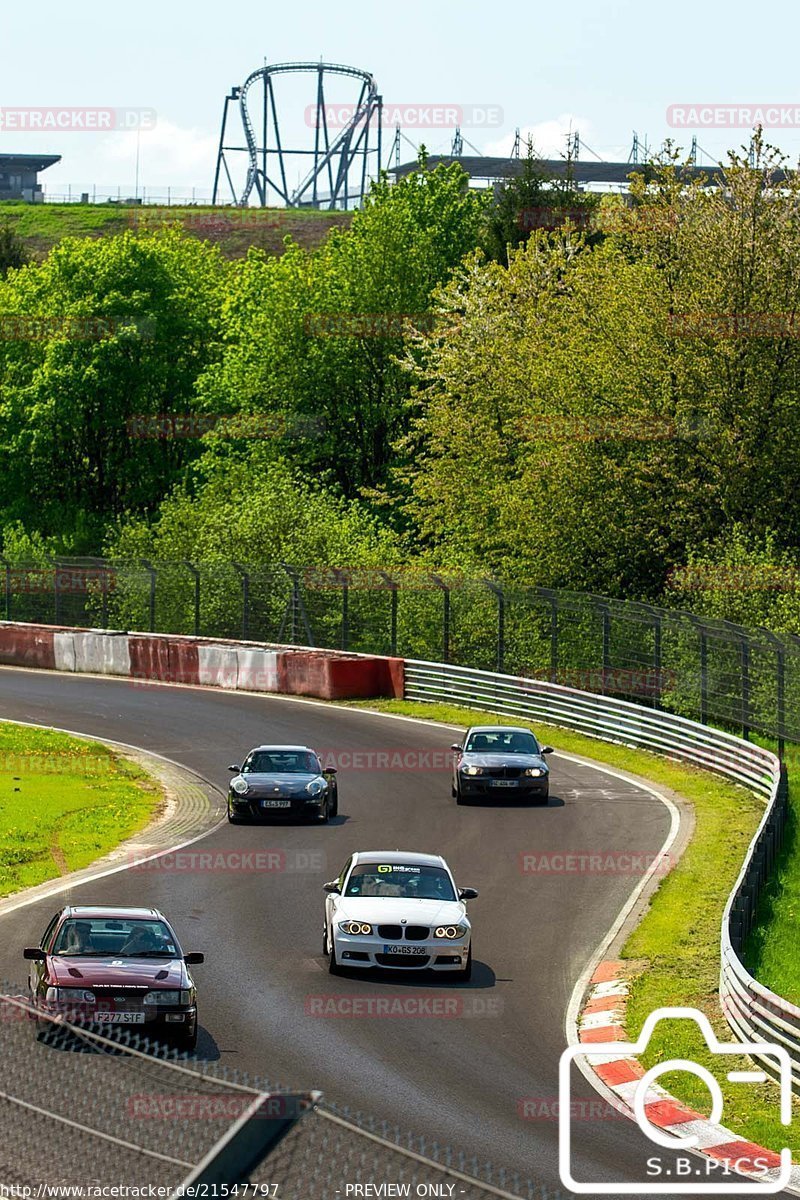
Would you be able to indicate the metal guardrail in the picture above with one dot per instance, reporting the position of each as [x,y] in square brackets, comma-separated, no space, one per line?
[753,1011]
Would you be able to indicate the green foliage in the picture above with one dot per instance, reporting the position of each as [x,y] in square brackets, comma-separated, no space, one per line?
[585,419]
[106,331]
[534,199]
[12,249]
[299,334]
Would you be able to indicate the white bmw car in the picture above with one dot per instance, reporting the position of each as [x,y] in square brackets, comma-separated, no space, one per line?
[398,910]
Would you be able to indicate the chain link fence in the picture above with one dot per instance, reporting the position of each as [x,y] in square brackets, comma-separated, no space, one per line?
[85,1107]
[747,680]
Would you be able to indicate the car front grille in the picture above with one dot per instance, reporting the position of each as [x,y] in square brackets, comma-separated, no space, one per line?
[504,772]
[412,933]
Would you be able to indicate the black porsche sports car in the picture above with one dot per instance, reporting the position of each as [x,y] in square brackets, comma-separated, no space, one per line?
[282,781]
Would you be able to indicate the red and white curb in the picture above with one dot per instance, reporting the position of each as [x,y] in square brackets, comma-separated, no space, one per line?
[602,1020]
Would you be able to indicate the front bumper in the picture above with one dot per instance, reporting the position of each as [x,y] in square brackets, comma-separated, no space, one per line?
[265,808]
[150,1022]
[435,954]
[527,787]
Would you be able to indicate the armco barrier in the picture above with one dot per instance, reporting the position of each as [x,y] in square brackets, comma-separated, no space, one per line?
[753,1011]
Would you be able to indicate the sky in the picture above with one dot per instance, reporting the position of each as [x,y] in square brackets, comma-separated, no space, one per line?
[602,69]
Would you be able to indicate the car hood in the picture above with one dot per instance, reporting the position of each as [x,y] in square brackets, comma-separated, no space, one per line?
[119,972]
[289,784]
[523,761]
[390,910]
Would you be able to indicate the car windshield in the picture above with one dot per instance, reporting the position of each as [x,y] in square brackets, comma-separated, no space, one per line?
[404,880]
[502,741]
[130,937]
[281,762]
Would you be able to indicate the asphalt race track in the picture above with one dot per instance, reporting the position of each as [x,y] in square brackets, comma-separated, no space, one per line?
[461,1079]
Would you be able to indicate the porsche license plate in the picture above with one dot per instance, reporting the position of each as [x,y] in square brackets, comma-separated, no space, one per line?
[119,1018]
[276,804]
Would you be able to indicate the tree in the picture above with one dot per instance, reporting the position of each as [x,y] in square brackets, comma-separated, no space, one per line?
[102,335]
[600,414]
[316,337]
[12,249]
[533,199]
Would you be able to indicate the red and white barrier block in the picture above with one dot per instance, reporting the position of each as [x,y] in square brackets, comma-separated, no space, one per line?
[238,666]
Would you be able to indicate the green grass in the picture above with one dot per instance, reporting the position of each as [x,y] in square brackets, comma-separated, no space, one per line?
[41,226]
[64,802]
[771,950]
[673,954]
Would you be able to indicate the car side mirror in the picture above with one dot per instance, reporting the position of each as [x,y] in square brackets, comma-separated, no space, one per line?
[235,767]
[468,893]
[547,749]
[332,887]
[455,746]
[194,958]
[34,953]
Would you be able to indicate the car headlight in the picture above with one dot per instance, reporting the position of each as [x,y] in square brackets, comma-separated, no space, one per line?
[169,996]
[451,932]
[57,995]
[357,927]
[240,786]
[469,770]
[316,787]
[535,771]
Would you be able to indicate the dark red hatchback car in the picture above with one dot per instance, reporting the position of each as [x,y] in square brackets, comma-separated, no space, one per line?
[115,967]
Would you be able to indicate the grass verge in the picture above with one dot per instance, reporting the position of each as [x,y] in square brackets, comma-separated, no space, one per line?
[235,230]
[674,951]
[64,802]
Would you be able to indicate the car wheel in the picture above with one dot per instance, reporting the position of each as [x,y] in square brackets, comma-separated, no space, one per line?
[335,805]
[544,799]
[465,973]
[460,797]
[325,812]
[333,965]
[325,941]
[232,820]
[187,1041]
[453,791]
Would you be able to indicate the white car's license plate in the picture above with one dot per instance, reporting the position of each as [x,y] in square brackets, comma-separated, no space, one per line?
[119,1018]
[276,804]
[504,782]
[411,951]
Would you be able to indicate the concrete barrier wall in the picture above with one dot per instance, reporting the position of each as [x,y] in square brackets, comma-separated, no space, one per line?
[242,666]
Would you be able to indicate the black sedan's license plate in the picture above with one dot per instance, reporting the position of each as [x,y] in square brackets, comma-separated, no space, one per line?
[276,804]
[411,951]
[505,782]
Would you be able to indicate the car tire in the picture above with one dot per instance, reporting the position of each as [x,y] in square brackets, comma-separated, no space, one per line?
[333,965]
[453,791]
[325,812]
[187,1041]
[465,974]
[232,820]
[460,797]
[335,805]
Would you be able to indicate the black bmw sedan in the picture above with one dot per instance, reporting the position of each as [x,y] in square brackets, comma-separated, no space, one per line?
[497,760]
[282,781]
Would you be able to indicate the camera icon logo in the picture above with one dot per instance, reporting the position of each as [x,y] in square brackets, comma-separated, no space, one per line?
[692,1168]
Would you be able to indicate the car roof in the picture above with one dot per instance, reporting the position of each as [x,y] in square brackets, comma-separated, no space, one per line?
[499,729]
[112,912]
[271,747]
[400,856]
